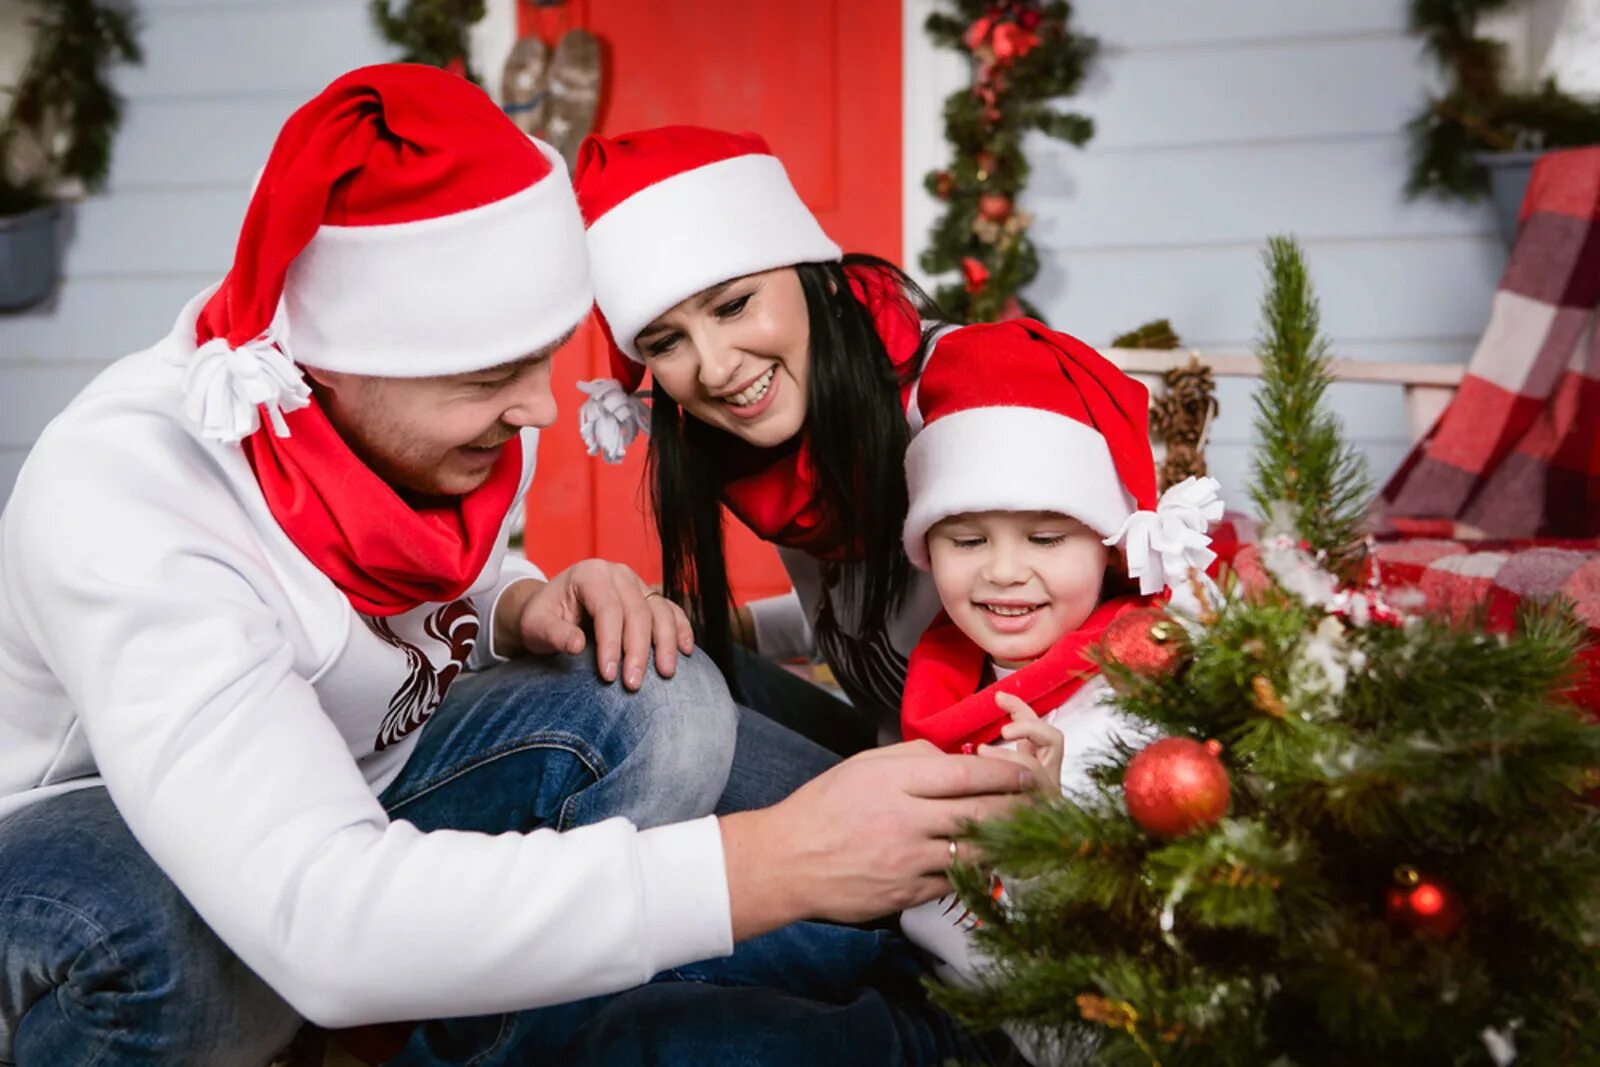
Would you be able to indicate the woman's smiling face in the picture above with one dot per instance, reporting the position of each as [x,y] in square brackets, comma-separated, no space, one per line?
[737,355]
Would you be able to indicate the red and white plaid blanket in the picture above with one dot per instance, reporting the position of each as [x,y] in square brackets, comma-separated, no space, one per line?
[1517,452]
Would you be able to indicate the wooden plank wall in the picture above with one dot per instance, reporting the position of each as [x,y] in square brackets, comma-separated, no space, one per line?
[219,78]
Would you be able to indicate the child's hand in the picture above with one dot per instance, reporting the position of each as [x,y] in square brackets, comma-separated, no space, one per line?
[1035,738]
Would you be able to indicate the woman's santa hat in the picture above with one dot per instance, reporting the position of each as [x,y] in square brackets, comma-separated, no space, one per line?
[1017,417]
[672,211]
[402,227]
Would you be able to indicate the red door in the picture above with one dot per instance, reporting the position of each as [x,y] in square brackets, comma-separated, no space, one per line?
[821,81]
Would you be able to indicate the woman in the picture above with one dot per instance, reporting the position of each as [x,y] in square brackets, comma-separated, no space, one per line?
[781,374]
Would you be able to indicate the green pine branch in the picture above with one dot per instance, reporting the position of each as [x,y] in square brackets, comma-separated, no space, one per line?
[430,31]
[1476,112]
[1301,459]
[988,166]
[64,113]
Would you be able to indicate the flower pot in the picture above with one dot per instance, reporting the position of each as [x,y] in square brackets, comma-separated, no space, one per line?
[30,256]
[1508,181]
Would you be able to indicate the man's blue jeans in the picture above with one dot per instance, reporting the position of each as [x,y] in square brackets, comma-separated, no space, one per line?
[103,962]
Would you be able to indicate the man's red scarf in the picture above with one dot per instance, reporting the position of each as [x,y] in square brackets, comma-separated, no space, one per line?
[775,492]
[386,556]
[947,703]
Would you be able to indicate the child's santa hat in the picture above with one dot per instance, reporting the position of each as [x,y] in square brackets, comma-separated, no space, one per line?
[672,211]
[1017,417]
[402,227]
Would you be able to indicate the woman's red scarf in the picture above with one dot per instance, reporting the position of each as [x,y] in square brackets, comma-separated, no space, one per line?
[774,491]
[386,556]
[947,703]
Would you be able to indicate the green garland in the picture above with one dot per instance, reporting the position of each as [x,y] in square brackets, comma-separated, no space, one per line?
[1023,55]
[430,31]
[1475,113]
[65,115]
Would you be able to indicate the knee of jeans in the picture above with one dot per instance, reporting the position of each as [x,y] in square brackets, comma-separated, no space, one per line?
[690,723]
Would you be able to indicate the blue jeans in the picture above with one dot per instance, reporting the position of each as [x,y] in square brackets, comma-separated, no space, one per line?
[103,962]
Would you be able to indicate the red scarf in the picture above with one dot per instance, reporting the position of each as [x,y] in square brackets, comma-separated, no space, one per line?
[774,490]
[384,555]
[947,703]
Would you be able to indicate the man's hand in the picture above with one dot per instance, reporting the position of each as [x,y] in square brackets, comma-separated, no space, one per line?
[866,838]
[627,618]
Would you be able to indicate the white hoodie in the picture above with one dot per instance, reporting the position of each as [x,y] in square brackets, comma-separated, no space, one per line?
[161,635]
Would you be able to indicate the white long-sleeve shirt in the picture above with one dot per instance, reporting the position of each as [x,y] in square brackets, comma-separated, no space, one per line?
[161,635]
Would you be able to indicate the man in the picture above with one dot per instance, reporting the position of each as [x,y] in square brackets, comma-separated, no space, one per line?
[266,749]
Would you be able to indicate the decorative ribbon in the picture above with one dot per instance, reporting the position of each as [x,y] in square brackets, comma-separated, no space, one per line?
[1164,546]
[225,389]
[611,418]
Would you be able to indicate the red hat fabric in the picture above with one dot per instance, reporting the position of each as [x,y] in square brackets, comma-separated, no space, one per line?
[672,211]
[1017,417]
[402,227]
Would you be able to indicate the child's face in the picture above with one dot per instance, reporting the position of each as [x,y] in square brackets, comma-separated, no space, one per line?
[1016,581]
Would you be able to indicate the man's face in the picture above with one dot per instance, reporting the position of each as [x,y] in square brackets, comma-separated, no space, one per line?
[438,436]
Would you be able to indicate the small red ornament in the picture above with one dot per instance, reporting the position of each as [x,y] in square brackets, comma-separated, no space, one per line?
[996,207]
[975,273]
[1145,641]
[943,184]
[1423,906]
[1012,42]
[1175,785]
[1028,19]
[985,162]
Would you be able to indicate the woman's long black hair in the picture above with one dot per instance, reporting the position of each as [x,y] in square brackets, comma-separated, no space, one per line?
[858,435]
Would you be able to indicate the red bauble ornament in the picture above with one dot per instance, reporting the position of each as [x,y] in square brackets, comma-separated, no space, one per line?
[1420,905]
[943,184]
[1012,42]
[1145,641]
[996,207]
[1175,785]
[975,273]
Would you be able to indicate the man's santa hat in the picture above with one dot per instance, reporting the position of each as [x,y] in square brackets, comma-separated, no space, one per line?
[1017,417]
[403,227]
[672,211]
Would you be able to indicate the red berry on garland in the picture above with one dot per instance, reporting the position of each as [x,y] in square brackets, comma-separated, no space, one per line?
[1145,641]
[1420,905]
[943,184]
[996,207]
[975,273]
[1175,785]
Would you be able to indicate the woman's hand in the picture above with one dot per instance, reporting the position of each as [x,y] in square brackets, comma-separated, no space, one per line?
[1034,737]
[627,617]
[866,838]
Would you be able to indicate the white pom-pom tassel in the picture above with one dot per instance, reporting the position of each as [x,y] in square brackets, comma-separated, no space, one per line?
[225,388]
[611,418]
[1163,547]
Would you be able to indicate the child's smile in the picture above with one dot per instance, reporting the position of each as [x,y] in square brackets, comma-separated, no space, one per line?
[1016,582]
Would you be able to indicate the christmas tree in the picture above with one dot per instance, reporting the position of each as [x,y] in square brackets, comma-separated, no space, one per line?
[1364,838]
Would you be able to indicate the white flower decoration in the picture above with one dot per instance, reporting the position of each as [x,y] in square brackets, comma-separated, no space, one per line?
[611,418]
[226,388]
[1163,547]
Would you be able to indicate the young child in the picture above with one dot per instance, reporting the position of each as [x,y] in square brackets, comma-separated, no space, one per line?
[1032,500]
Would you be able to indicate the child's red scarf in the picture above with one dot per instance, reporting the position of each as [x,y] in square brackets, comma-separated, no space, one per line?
[776,495]
[947,703]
